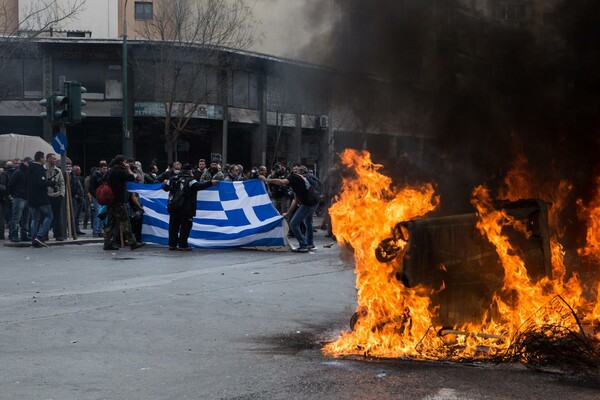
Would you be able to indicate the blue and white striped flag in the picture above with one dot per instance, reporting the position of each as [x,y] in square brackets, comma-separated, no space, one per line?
[229,214]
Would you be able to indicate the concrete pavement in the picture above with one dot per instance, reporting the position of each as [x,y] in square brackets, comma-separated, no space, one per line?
[77,322]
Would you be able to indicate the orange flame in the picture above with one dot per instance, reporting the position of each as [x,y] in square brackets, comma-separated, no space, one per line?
[520,295]
[393,317]
[396,321]
[591,215]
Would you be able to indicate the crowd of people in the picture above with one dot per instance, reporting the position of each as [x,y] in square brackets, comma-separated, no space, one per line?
[33,190]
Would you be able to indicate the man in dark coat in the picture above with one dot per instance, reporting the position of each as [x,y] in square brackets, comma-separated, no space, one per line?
[185,187]
[117,177]
[96,180]
[78,195]
[38,199]
[5,198]
[17,188]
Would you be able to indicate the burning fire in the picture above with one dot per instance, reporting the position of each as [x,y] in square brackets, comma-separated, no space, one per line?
[393,320]
[591,214]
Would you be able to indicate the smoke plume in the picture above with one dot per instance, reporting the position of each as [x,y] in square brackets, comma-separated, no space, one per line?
[474,85]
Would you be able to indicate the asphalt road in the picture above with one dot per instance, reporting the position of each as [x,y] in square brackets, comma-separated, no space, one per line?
[77,322]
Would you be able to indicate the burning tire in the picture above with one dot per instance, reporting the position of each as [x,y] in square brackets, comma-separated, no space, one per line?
[387,250]
[390,248]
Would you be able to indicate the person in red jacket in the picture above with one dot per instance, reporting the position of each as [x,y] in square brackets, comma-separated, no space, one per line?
[117,177]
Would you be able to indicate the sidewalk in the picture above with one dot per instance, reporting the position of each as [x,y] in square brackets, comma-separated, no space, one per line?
[84,239]
[88,238]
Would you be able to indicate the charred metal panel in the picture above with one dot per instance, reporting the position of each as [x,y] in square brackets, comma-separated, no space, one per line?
[452,250]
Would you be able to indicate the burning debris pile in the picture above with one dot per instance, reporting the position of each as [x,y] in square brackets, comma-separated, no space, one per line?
[526,307]
[553,344]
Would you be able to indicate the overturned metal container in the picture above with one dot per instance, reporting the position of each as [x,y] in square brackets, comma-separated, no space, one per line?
[450,251]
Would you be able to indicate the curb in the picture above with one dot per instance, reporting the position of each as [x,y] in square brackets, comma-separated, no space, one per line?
[52,243]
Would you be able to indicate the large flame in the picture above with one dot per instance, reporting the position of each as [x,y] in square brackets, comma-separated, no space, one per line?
[591,215]
[396,321]
[393,317]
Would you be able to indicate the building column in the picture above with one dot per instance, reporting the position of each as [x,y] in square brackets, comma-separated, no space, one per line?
[257,146]
[326,153]
[224,136]
[226,78]
[296,139]
[263,128]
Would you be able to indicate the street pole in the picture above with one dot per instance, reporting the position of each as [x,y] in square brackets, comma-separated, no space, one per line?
[66,214]
[125,130]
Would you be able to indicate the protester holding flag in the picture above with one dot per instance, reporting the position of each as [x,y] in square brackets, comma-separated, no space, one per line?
[306,201]
[183,189]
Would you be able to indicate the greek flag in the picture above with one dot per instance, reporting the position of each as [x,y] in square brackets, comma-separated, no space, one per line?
[229,214]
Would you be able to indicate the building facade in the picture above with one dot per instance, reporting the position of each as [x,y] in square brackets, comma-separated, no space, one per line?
[245,109]
[408,77]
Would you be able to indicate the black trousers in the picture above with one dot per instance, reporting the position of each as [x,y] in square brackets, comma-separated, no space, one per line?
[57,222]
[180,227]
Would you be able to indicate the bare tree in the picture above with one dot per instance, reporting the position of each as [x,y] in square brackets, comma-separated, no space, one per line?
[185,56]
[22,22]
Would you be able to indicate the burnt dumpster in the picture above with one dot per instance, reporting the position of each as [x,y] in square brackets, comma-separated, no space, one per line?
[450,255]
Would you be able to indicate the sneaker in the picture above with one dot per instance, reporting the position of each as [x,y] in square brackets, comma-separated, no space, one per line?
[172,248]
[300,250]
[111,246]
[59,239]
[185,249]
[312,247]
[80,233]
[137,245]
[37,242]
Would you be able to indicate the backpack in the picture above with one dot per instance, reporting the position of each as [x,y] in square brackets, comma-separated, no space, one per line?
[94,182]
[315,183]
[105,195]
[177,194]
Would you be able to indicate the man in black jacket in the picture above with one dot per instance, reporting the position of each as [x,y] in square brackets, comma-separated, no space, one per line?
[6,199]
[183,190]
[17,188]
[117,177]
[96,180]
[38,199]
[76,181]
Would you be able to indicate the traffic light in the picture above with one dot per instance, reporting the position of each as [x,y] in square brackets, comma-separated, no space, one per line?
[55,108]
[73,90]
[48,102]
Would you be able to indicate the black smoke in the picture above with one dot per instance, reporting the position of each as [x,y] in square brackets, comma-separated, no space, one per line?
[475,86]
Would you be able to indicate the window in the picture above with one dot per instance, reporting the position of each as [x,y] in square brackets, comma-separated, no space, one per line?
[512,12]
[143,10]
[76,34]
[243,90]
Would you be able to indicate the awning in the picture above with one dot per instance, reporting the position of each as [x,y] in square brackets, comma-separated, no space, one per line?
[20,146]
